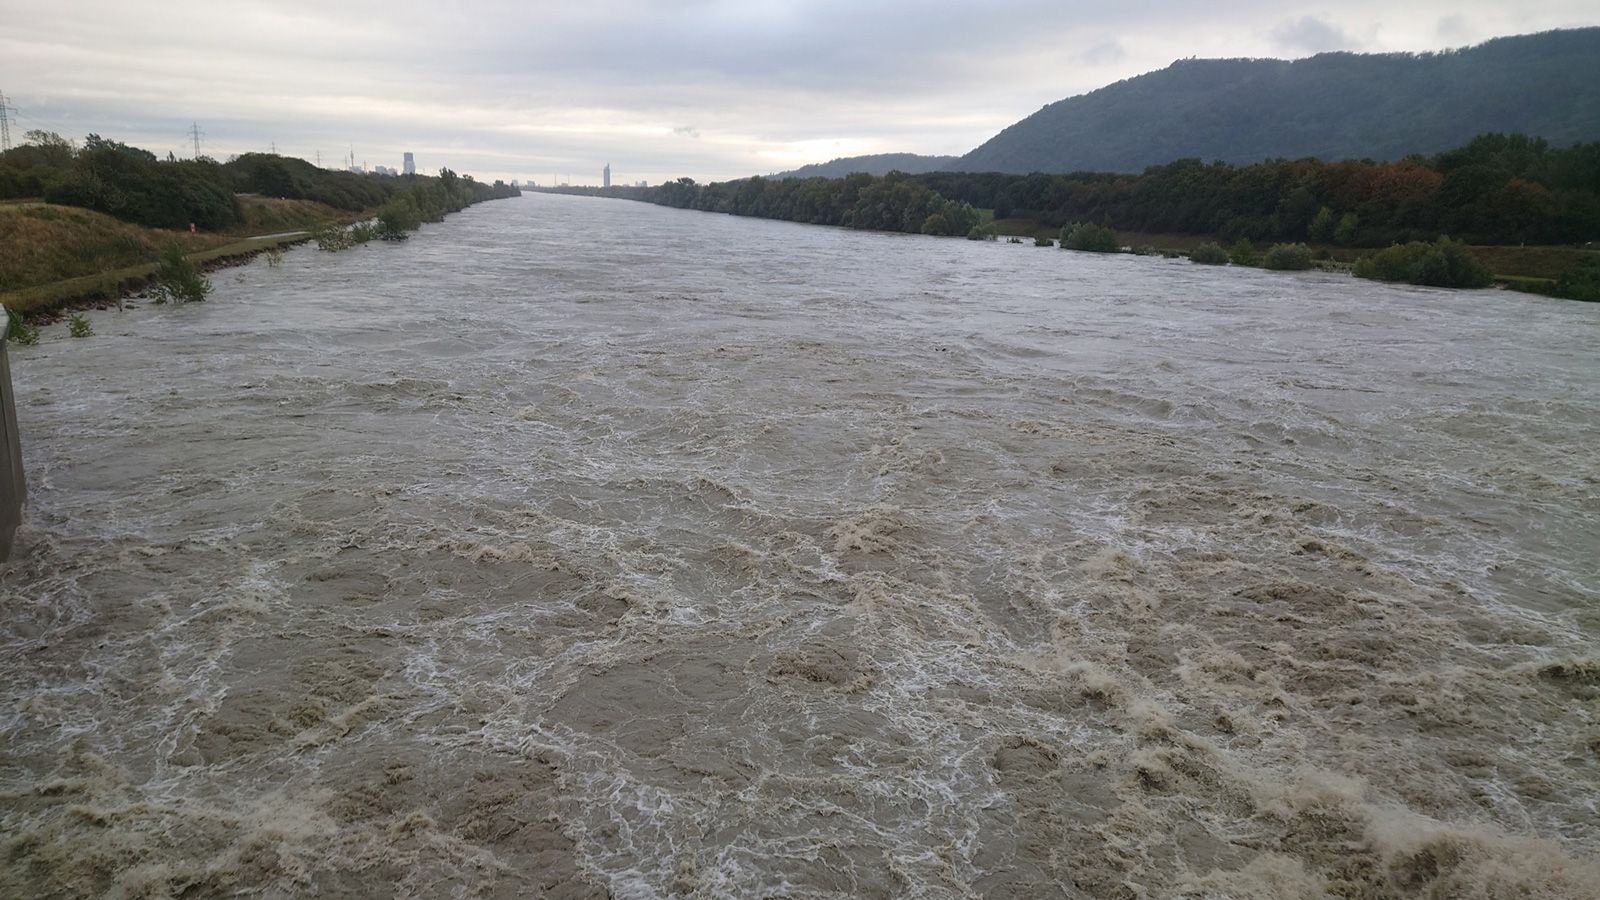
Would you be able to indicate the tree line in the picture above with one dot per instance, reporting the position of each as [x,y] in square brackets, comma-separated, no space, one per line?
[136,186]
[1498,189]
[893,202]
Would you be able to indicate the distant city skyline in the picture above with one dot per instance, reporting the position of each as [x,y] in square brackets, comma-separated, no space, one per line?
[707,91]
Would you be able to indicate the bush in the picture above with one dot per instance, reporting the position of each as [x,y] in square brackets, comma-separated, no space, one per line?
[333,239]
[1210,254]
[177,280]
[20,332]
[1243,253]
[1013,240]
[1043,242]
[274,256]
[1288,258]
[1582,283]
[1090,238]
[981,233]
[1443,263]
[398,218]
[78,326]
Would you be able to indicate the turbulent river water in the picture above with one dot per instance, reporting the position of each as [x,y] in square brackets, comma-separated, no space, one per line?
[579,547]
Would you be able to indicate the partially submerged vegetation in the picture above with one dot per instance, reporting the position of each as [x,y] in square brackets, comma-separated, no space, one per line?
[177,280]
[1090,238]
[21,331]
[1210,253]
[1441,263]
[1287,258]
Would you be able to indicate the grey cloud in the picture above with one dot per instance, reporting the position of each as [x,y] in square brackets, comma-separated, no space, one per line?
[1312,34]
[1453,28]
[688,131]
[1104,54]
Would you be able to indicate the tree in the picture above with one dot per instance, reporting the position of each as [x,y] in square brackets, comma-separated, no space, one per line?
[1322,226]
[53,148]
[1345,234]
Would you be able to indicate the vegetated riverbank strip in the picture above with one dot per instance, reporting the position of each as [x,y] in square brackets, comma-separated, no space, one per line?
[49,301]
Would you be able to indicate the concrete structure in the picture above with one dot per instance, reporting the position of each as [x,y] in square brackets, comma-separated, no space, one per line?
[410,165]
[605,176]
[13,487]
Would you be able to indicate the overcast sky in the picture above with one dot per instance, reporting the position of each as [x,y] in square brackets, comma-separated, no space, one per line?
[707,88]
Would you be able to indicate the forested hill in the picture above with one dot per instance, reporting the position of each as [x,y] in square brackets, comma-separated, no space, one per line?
[875,164]
[1331,106]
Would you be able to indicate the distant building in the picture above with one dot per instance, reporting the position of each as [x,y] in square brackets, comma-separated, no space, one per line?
[643,184]
[605,176]
[410,165]
[385,170]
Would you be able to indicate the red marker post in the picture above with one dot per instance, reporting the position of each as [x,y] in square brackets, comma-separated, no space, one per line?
[192,228]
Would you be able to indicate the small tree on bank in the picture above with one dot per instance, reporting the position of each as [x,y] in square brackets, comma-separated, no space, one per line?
[1288,257]
[1443,263]
[1091,238]
[1243,253]
[177,280]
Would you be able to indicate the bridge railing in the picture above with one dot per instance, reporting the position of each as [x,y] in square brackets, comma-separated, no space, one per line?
[13,487]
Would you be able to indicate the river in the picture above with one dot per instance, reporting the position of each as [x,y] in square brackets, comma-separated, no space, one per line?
[577,547]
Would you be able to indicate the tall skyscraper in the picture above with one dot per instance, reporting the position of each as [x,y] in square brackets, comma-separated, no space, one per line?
[410,164]
[605,176]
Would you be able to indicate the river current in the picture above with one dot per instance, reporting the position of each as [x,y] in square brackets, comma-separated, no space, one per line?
[580,547]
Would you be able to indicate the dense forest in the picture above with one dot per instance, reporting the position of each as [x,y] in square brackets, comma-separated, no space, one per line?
[136,186]
[1498,189]
[1330,106]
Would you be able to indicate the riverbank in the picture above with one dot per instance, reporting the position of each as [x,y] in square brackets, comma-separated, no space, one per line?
[1531,269]
[59,256]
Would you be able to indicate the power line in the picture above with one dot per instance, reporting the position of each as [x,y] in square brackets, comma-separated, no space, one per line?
[196,134]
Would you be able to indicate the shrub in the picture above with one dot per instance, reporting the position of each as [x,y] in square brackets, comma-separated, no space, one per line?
[1288,257]
[1013,240]
[177,280]
[1582,283]
[1091,238]
[1210,254]
[398,218]
[21,332]
[1043,242]
[981,233]
[1443,263]
[333,239]
[78,326]
[274,256]
[1243,253]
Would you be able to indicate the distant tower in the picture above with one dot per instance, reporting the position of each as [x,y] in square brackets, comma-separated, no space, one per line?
[605,176]
[410,164]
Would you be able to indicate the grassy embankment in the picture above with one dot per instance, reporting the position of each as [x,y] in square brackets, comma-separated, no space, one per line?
[1533,269]
[56,255]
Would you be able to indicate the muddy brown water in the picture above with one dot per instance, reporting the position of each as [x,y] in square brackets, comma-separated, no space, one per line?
[579,547]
